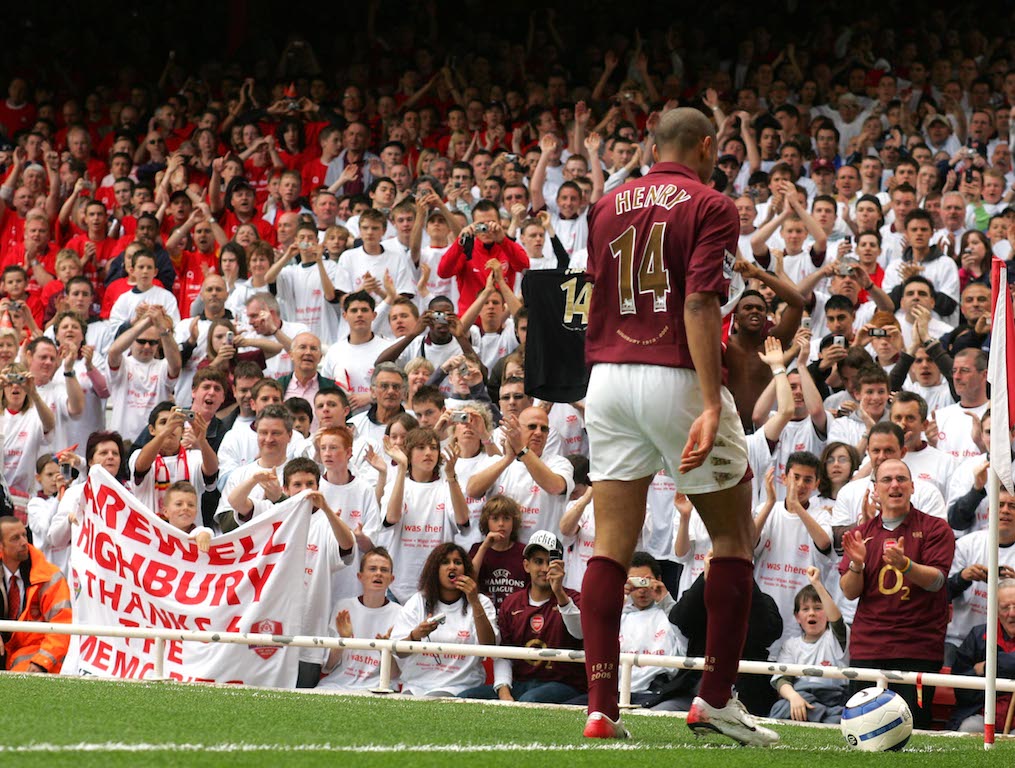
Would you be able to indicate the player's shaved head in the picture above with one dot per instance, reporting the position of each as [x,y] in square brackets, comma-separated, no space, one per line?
[683,129]
[685,135]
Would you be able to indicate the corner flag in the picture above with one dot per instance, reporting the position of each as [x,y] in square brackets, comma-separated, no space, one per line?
[1001,374]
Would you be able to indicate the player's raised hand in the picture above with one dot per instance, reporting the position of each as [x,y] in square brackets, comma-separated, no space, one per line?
[700,440]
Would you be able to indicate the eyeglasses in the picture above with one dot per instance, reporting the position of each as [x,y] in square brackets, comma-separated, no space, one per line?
[838,460]
[148,342]
[533,427]
[513,397]
[900,479]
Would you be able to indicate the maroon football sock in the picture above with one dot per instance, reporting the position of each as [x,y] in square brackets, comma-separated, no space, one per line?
[602,603]
[728,591]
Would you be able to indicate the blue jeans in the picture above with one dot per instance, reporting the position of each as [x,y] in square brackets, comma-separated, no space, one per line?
[550,692]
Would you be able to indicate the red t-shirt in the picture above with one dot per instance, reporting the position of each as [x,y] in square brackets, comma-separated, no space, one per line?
[16,119]
[12,230]
[313,173]
[230,222]
[653,242]
[895,619]
[525,625]
[191,273]
[105,251]
[108,197]
[471,273]
[258,176]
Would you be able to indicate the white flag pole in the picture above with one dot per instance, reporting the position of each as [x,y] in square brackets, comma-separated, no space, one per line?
[990,669]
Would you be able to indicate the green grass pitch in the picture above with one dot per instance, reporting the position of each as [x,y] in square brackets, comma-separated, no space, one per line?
[59,721]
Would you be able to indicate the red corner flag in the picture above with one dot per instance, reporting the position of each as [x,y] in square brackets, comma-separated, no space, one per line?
[1001,374]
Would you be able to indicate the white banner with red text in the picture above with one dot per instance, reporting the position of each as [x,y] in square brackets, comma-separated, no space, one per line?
[131,568]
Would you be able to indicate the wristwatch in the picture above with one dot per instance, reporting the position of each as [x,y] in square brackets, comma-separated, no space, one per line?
[521,453]
[863,566]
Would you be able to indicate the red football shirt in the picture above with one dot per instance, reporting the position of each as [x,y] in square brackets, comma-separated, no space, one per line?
[12,230]
[895,619]
[191,273]
[230,222]
[653,242]
[529,626]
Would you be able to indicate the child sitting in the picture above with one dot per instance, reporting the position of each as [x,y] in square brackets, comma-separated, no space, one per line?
[823,643]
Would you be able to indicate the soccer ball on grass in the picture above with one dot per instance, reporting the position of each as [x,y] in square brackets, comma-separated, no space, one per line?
[876,720]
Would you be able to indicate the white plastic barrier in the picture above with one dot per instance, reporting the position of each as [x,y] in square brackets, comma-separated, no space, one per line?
[388,647]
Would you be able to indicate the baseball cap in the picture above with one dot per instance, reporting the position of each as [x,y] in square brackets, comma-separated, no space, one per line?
[822,164]
[546,541]
[240,183]
[848,98]
[936,118]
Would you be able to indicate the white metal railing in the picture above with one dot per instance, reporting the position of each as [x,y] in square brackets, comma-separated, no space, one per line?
[388,647]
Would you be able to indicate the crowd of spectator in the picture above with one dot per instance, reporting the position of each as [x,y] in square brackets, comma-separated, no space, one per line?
[229,284]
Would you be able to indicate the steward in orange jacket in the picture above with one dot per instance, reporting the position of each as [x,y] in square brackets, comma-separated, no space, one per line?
[45,597]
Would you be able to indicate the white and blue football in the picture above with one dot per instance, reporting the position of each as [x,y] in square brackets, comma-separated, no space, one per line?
[876,720]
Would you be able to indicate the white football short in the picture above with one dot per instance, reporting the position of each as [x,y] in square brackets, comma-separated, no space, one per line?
[638,418]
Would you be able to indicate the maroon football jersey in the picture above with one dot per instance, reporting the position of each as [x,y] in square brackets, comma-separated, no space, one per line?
[525,625]
[502,573]
[653,242]
[895,619]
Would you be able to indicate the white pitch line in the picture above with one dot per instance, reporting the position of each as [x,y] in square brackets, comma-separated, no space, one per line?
[362,748]
[391,748]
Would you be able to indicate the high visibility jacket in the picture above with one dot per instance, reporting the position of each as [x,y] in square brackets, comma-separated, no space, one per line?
[47,598]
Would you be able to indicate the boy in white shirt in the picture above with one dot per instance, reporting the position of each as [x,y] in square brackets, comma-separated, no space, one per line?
[645,626]
[307,290]
[369,615]
[441,229]
[143,270]
[823,642]
[363,268]
[494,307]
[794,223]
[350,360]
[330,547]
[353,499]
[791,536]
[164,460]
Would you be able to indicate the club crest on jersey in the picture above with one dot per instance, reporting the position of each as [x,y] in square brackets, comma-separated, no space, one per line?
[536,623]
